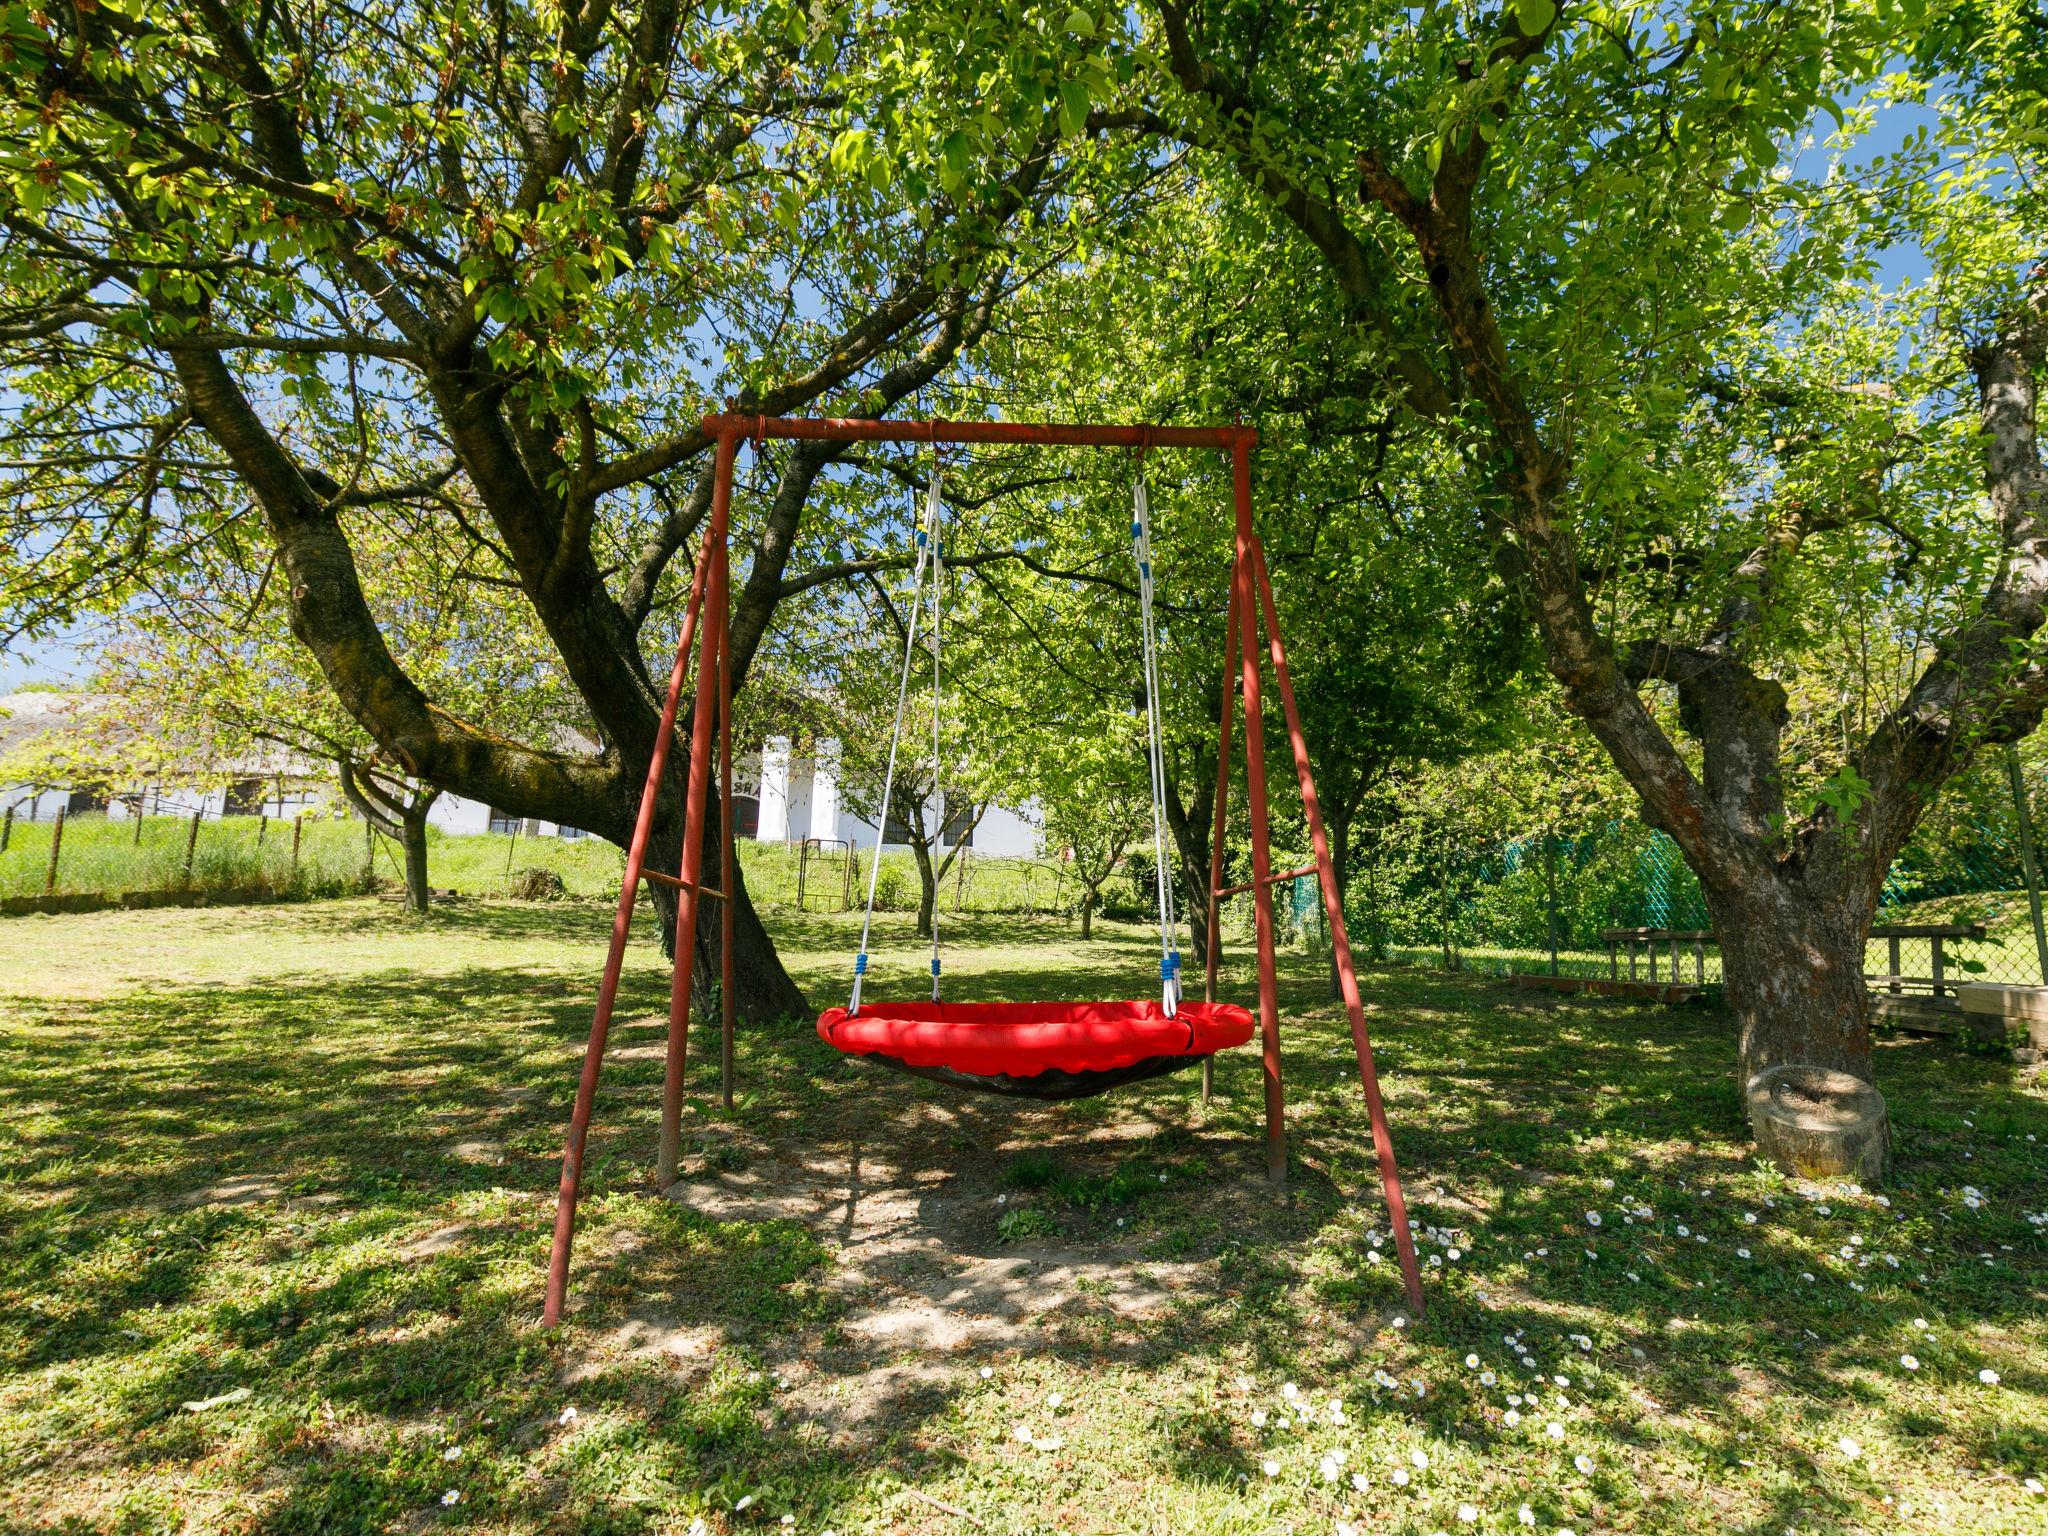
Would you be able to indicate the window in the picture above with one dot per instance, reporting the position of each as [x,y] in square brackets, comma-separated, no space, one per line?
[959,828]
[746,816]
[894,829]
[245,797]
[570,833]
[503,822]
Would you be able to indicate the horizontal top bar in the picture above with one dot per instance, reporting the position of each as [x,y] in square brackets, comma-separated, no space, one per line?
[856,430]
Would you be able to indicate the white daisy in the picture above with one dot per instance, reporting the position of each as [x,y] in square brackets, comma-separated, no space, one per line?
[1988,1377]
[1420,1460]
[1511,1418]
[1360,1482]
[1055,1399]
[452,1496]
[1554,1429]
[1526,1515]
[453,1453]
[1584,1463]
[986,1372]
[1468,1513]
[1258,1418]
[1270,1468]
[1849,1448]
[1290,1391]
[1399,1477]
[1909,1362]
[567,1416]
[1471,1362]
[1592,1218]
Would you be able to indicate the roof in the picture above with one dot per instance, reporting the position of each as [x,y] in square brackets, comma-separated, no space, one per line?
[42,726]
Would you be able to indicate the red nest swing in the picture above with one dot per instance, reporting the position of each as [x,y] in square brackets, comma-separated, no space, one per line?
[1036,1050]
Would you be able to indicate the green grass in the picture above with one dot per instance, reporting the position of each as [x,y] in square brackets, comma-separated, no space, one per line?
[308,1153]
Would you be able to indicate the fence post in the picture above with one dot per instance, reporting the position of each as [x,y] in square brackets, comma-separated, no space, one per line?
[191,847]
[2027,864]
[56,847]
[369,855]
[262,826]
[1893,955]
[803,865]
[1939,969]
[960,882]
[1444,904]
[7,829]
[298,827]
[511,848]
[140,805]
[1550,893]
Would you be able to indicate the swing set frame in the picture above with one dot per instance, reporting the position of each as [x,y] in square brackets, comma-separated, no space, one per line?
[707,625]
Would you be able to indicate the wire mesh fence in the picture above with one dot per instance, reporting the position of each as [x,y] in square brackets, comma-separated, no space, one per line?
[1616,900]
[210,855]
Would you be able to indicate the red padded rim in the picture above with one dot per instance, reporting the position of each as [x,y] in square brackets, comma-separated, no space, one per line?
[1023,1039]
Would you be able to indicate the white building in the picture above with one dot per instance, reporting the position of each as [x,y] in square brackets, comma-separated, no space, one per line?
[784,796]
[780,795]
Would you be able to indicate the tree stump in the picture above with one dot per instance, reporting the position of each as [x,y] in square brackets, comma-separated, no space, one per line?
[1820,1123]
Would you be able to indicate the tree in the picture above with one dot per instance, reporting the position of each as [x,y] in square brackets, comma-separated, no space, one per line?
[283,268]
[1093,802]
[204,658]
[1580,244]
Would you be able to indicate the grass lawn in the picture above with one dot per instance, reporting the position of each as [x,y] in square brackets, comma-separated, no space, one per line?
[278,1184]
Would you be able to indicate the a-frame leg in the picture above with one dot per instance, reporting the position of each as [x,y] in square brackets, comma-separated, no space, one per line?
[1340,940]
[622,927]
[1255,787]
[728,862]
[704,725]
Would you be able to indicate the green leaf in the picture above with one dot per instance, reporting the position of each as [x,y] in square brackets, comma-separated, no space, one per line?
[1080,23]
[1532,16]
[1073,106]
[957,152]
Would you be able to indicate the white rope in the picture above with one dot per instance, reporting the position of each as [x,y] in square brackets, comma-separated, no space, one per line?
[1155,755]
[926,542]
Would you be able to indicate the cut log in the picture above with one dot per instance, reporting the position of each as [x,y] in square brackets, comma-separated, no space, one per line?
[1819,1123]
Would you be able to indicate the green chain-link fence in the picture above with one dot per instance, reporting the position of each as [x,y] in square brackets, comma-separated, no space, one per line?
[1512,905]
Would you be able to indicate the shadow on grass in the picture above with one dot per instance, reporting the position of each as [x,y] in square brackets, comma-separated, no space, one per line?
[336,1190]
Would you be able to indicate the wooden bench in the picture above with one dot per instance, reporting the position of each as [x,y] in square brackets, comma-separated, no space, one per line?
[1640,940]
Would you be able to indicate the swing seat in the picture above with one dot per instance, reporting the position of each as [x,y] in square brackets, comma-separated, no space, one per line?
[1036,1050]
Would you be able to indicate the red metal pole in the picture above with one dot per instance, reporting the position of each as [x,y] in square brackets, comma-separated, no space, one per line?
[1048,434]
[728,996]
[1212,955]
[1255,784]
[703,724]
[1340,942]
[608,989]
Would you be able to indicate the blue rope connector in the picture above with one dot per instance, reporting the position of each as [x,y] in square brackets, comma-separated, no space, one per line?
[935,965]
[860,963]
[1137,530]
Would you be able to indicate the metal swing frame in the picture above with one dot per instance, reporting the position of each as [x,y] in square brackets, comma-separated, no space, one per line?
[707,625]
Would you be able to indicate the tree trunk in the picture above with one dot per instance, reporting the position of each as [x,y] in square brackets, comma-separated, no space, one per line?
[418,895]
[927,888]
[1792,974]
[762,986]
[1088,912]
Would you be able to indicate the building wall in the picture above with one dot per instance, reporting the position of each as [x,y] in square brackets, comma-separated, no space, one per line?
[800,799]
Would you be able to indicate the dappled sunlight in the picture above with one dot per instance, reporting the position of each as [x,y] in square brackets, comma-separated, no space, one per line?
[304,1165]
